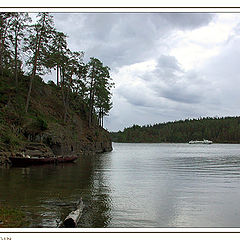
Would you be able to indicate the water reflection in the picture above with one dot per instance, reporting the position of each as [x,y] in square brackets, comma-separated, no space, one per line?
[136,185]
[175,185]
[98,209]
[47,193]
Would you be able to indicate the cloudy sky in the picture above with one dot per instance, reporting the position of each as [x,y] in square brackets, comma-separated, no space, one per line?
[166,66]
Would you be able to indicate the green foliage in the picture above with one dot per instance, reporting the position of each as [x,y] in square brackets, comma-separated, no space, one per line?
[5,50]
[9,138]
[35,125]
[51,83]
[98,86]
[219,130]
[27,104]
[38,42]
[41,124]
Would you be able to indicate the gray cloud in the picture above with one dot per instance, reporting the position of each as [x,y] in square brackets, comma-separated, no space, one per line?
[137,96]
[223,73]
[190,20]
[123,38]
[179,94]
[168,80]
[166,92]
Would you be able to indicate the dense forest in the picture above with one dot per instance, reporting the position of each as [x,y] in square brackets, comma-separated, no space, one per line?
[30,108]
[38,48]
[219,130]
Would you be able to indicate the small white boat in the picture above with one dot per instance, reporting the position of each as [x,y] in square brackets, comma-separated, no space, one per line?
[201,142]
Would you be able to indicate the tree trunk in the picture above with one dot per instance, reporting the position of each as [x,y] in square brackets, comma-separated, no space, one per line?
[57,75]
[91,97]
[102,119]
[73,217]
[1,43]
[90,106]
[66,105]
[29,91]
[67,98]
[99,118]
[63,95]
[15,60]
[38,43]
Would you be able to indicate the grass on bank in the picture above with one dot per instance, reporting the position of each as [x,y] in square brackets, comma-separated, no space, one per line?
[11,217]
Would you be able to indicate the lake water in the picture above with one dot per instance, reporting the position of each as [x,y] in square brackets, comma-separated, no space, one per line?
[135,185]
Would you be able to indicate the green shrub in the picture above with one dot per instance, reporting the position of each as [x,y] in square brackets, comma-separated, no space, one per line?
[41,124]
[10,139]
[51,83]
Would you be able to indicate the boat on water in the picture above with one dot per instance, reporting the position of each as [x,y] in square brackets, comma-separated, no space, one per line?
[201,142]
[27,160]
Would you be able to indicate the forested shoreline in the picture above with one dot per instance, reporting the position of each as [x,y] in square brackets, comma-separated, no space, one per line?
[217,129]
[31,49]
[57,118]
[64,116]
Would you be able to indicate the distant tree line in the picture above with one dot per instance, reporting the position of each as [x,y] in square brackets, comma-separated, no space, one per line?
[219,130]
[38,48]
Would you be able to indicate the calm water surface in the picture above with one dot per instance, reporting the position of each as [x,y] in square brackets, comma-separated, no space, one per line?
[135,185]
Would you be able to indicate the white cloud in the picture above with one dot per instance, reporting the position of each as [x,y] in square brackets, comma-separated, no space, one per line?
[192,48]
[165,66]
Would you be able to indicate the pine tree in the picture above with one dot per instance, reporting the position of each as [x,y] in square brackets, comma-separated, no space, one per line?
[57,51]
[18,26]
[37,45]
[5,53]
[99,89]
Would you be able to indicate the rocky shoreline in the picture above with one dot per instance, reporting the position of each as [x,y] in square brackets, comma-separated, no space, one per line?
[40,149]
[53,145]
[43,131]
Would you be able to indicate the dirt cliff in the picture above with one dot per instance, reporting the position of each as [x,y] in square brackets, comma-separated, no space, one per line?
[42,131]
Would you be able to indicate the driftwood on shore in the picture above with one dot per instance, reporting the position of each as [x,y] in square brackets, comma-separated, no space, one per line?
[73,217]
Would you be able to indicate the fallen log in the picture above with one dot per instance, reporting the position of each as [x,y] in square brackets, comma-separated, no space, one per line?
[73,217]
